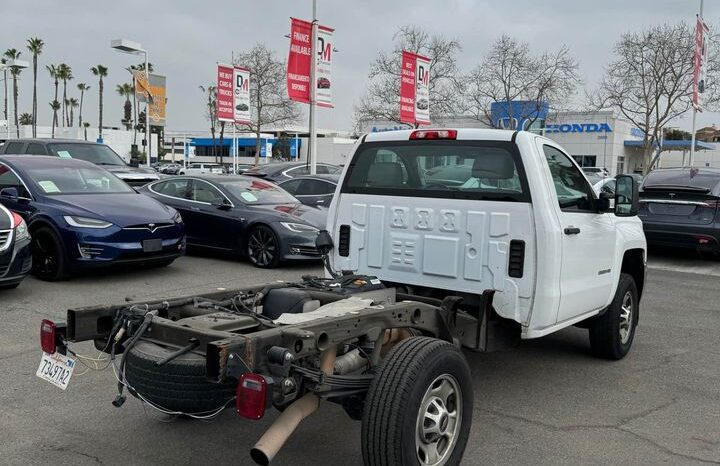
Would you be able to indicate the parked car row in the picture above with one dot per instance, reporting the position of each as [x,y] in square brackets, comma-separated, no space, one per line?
[65,212]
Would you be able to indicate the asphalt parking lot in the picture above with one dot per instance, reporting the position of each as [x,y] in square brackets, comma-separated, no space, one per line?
[545,403]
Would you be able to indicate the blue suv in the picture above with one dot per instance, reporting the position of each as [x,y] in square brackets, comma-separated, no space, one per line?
[82,216]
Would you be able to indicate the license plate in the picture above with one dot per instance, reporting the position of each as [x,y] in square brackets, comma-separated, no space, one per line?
[152,245]
[56,368]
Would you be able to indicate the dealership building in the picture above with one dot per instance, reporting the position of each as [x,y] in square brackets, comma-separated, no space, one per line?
[594,139]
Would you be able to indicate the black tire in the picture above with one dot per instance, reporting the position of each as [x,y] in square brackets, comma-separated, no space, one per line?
[49,261]
[607,340]
[263,247]
[9,287]
[390,433]
[179,385]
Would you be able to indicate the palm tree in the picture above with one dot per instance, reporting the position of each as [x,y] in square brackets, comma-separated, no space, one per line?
[65,74]
[100,71]
[82,87]
[26,119]
[35,46]
[126,90]
[14,54]
[3,61]
[53,70]
[85,126]
[72,104]
[55,105]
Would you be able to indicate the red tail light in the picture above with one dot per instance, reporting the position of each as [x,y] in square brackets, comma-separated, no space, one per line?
[433,134]
[251,396]
[17,220]
[47,336]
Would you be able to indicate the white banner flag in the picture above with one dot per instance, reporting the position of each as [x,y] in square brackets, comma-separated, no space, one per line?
[323,69]
[241,95]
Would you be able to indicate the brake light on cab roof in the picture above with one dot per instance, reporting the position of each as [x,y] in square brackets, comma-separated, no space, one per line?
[433,134]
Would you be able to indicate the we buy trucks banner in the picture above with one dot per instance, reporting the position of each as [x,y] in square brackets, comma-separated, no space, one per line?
[414,89]
[299,63]
[700,62]
[225,97]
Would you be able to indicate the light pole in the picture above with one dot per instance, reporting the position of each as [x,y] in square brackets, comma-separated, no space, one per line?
[4,67]
[128,46]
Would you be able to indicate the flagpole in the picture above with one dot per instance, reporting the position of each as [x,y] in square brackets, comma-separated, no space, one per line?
[312,153]
[694,117]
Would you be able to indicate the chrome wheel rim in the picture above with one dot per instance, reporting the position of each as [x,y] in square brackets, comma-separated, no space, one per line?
[626,316]
[262,247]
[438,422]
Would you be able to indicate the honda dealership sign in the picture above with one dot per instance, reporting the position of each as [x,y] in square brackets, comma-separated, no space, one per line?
[225,96]
[299,63]
[414,89]
[241,93]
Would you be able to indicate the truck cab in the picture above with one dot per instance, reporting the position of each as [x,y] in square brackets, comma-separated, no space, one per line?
[460,211]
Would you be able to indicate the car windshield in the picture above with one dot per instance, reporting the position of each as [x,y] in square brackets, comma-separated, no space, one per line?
[447,169]
[690,178]
[76,180]
[99,154]
[258,192]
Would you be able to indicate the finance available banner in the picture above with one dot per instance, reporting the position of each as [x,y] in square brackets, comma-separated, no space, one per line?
[241,100]
[300,61]
[225,97]
[414,89]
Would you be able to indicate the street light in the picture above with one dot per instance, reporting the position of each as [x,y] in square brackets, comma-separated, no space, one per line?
[4,67]
[128,46]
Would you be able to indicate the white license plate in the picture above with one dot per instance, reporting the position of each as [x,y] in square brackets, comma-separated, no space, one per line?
[56,368]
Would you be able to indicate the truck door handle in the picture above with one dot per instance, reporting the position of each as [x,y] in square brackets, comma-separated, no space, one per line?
[572,230]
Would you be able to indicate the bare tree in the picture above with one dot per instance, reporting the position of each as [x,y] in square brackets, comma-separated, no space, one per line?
[269,103]
[211,112]
[649,80]
[382,97]
[511,73]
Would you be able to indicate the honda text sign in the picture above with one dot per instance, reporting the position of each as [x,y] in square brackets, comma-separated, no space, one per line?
[241,101]
[323,67]
[414,89]
[300,61]
[225,96]
[298,70]
[700,62]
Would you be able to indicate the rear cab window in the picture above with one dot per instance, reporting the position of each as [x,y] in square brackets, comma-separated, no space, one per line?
[479,170]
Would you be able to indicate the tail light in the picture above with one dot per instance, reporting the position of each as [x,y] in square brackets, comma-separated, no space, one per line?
[47,336]
[251,396]
[21,231]
[433,134]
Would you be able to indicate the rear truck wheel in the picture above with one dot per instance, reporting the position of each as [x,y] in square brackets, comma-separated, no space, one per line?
[178,385]
[263,247]
[49,262]
[418,410]
[611,334]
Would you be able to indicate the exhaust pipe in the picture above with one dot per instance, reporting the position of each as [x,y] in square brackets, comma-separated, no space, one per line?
[275,437]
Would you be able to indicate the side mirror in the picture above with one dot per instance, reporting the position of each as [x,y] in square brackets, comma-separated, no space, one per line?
[222,205]
[9,193]
[626,196]
[324,242]
[603,202]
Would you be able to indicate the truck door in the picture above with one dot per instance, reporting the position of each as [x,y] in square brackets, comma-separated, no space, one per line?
[588,238]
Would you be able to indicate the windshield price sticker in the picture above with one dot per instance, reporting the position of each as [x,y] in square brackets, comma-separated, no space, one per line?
[56,368]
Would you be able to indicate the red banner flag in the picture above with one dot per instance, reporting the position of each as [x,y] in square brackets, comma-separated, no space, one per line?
[225,98]
[298,69]
[414,89]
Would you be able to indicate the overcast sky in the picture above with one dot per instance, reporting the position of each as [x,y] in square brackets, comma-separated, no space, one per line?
[186,38]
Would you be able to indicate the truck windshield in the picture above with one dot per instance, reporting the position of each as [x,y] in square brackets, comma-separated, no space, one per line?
[448,169]
[99,154]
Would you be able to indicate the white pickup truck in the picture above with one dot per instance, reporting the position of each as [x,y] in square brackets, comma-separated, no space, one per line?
[442,239]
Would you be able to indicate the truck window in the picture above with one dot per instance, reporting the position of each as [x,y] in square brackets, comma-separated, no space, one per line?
[480,170]
[571,187]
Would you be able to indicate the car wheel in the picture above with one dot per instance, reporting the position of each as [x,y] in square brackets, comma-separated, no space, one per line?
[418,410]
[48,256]
[263,247]
[611,334]
[181,173]
[9,287]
